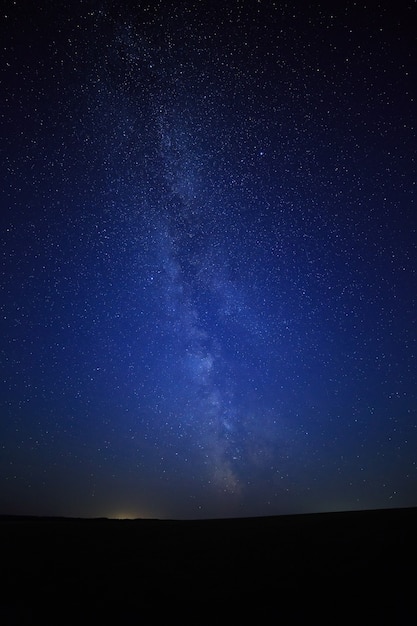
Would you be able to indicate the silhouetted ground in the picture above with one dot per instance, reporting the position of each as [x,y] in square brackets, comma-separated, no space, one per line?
[357,567]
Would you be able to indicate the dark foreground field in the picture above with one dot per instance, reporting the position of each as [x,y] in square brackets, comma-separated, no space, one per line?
[321,568]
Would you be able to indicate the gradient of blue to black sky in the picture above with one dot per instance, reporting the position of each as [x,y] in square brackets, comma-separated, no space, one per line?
[208,271]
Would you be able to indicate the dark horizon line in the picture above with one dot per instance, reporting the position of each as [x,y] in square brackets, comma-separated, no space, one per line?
[4,517]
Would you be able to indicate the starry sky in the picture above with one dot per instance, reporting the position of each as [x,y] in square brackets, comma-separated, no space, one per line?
[208,257]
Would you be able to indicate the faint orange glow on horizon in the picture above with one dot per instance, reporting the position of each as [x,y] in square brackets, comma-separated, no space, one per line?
[124,514]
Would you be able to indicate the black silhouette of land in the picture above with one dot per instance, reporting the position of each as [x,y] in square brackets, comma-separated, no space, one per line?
[353,567]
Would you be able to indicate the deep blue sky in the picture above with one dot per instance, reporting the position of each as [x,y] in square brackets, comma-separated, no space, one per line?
[209,255]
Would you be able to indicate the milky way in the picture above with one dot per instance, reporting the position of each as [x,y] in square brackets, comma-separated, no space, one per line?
[209,258]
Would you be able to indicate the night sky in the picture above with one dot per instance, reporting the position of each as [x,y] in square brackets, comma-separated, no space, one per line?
[208,257]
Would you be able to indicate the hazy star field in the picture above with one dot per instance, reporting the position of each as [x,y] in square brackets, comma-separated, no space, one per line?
[208,257]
